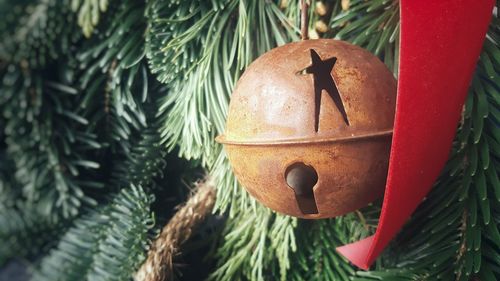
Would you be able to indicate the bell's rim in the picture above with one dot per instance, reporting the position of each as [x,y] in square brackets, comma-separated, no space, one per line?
[380,134]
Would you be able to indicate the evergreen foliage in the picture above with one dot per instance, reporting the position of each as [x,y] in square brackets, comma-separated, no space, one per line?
[47,142]
[36,32]
[96,94]
[106,244]
[193,47]
[89,13]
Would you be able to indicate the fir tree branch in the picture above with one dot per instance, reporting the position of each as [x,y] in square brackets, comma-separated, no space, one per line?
[373,25]
[244,252]
[89,13]
[200,81]
[22,230]
[318,260]
[37,32]
[105,244]
[115,79]
[48,143]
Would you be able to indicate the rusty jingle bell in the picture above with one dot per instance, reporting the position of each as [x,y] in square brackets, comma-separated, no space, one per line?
[309,128]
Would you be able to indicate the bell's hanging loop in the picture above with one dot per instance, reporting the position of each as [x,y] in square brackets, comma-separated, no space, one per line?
[304,19]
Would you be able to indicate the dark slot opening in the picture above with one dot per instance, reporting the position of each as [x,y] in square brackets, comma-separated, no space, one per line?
[302,178]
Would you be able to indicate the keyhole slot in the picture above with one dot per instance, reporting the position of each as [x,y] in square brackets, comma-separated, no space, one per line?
[302,178]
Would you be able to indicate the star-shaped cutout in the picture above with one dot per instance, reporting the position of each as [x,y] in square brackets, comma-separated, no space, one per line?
[323,80]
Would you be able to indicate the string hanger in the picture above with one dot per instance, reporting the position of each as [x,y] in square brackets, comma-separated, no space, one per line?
[304,19]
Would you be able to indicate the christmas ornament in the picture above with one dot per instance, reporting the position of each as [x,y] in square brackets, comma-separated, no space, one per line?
[309,128]
[438,54]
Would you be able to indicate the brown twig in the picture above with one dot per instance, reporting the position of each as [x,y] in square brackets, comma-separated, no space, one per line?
[304,19]
[159,263]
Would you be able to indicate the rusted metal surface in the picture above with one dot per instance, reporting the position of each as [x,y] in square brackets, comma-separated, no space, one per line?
[284,114]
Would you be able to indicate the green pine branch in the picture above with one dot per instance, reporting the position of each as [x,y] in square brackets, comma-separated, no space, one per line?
[317,258]
[89,13]
[255,244]
[114,76]
[373,25]
[119,98]
[48,143]
[199,49]
[21,225]
[36,33]
[25,233]
[105,244]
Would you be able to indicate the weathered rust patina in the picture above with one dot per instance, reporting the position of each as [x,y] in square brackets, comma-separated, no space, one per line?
[309,128]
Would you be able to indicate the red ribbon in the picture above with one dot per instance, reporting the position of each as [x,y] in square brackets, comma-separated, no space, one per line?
[440,44]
